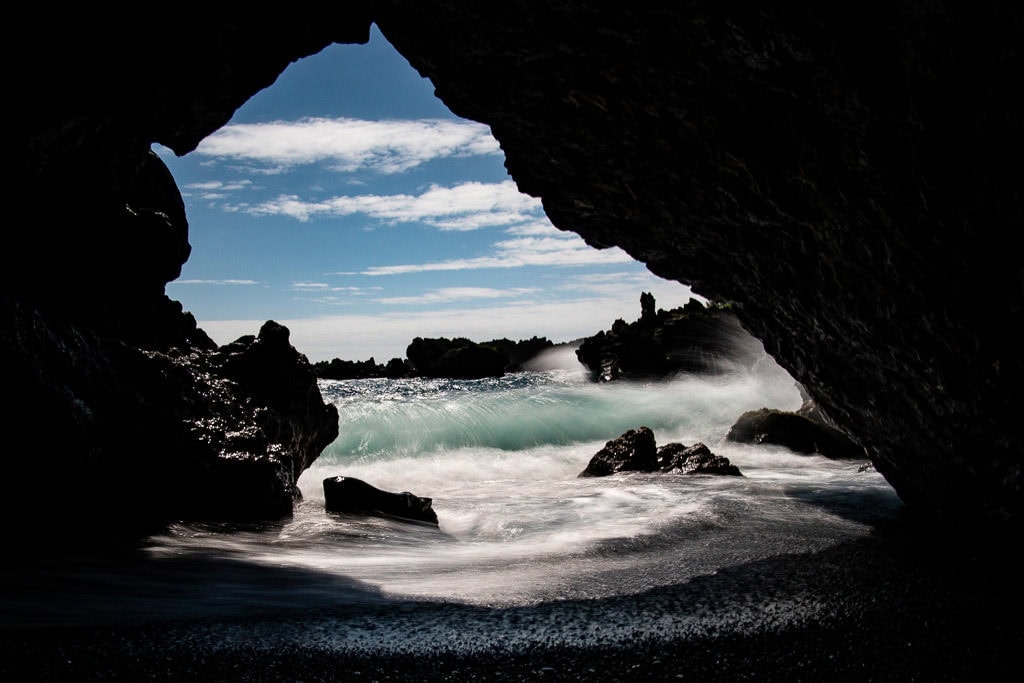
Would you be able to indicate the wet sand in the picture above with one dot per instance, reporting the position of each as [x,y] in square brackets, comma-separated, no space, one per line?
[903,604]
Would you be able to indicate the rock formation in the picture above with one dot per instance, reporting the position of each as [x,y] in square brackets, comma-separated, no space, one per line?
[337,368]
[636,451]
[845,174]
[355,496]
[795,431]
[658,345]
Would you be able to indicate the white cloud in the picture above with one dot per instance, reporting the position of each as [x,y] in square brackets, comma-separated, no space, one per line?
[214,190]
[519,252]
[450,294]
[219,185]
[215,282]
[467,206]
[350,144]
[542,228]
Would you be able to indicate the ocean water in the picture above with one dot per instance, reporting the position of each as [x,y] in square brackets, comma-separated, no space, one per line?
[517,526]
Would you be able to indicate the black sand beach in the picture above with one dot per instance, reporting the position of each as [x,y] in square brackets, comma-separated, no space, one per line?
[903,604]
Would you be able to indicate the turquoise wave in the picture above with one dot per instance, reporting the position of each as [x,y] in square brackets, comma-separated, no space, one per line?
[399,418]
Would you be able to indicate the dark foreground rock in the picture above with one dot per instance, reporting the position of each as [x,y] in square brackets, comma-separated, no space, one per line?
[636,451]
[350,495]
[137,436]
[660,344]
[794,431]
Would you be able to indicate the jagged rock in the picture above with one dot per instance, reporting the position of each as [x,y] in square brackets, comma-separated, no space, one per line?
[692,338]
[520,352]
[347,369]
[151,436]
[695,459]
[637,451]
[794,431]
[632,451]
[355,496]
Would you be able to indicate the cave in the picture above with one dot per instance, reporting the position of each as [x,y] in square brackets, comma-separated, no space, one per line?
[845,176]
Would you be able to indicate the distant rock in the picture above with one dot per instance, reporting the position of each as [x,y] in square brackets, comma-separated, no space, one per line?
[347,369]
[458,358]
[692,338]
[636,451]
[796,431]
[355,496]
[520,352]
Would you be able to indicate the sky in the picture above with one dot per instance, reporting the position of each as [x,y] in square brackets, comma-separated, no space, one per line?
[347,203]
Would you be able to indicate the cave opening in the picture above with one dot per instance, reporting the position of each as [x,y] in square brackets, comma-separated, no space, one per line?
[346,202]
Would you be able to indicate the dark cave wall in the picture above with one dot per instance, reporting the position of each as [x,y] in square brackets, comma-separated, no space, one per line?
[847,174]
[839,170]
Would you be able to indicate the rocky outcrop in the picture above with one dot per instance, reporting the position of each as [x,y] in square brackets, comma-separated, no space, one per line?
[461,358]
[839,172]
[520,353]
[794,431]
[457,358]
[661,344]
[136,437]
[636,451]
[348,369]
[355,496]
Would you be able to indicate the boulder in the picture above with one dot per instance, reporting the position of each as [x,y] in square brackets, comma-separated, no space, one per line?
[796,432]
[695,459]
[636,451]
[354,496]
[632,451]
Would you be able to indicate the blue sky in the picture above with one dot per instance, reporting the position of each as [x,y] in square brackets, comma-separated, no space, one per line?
[346,202]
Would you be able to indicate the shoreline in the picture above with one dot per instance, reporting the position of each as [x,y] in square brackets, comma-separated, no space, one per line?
[896,605]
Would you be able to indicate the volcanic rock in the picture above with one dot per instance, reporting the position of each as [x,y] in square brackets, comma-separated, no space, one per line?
[636,451]
[692,338]
[695,459]
[794,431]
[457,358]
[355,496]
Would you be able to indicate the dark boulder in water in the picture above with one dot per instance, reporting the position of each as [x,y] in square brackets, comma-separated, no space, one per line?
[637,451]
[796,432]
[695,459]
[355,496]
[632,451]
